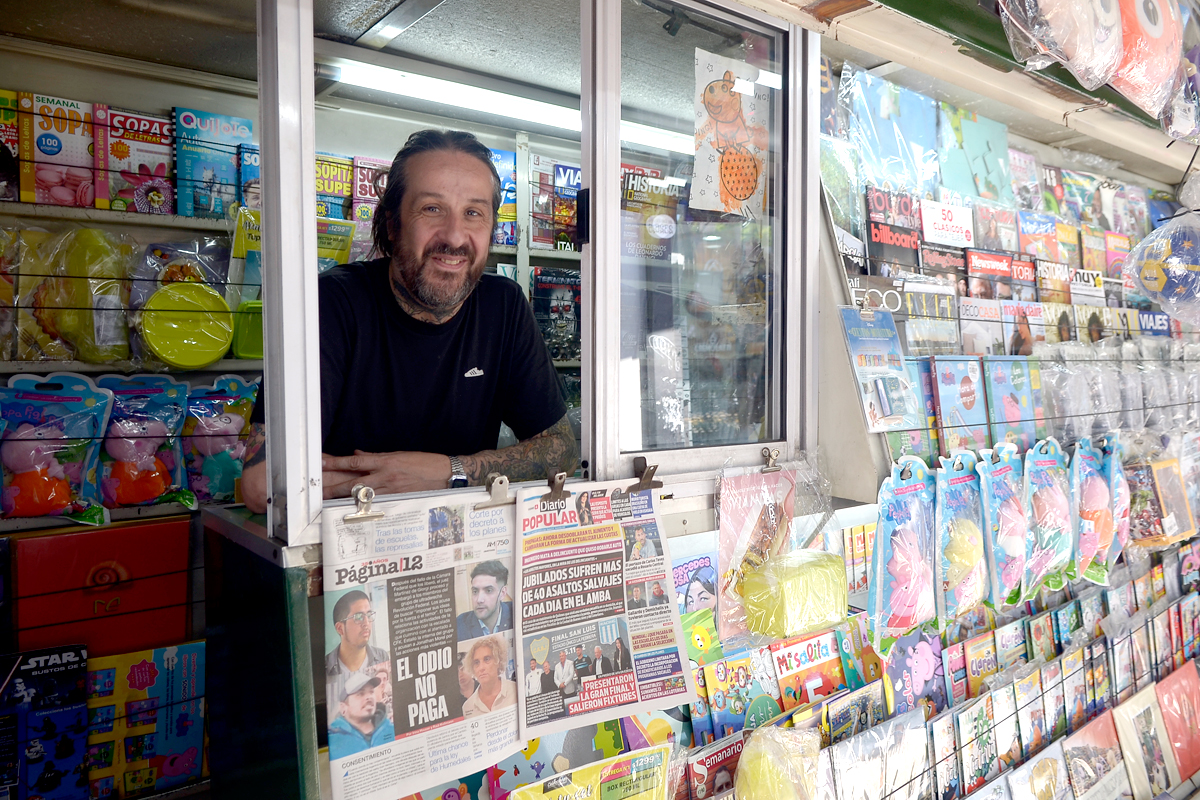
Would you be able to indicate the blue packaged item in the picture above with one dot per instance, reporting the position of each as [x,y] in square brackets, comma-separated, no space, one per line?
[1093,509]
[962,570]
[206,169]
[921,441]
[249,180]
[141,462]
[962,409]
[1118,490]
[215,430]
[1010,400]
[1052,539]
[51,446]
[902,579]
[1006,523]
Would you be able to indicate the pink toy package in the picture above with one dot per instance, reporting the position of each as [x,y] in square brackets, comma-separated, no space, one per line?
[57,150]
[215,430]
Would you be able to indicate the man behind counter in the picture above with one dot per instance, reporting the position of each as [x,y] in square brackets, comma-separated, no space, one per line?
[422,355]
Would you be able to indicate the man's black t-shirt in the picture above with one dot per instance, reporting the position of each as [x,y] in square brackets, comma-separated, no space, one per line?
[391,383]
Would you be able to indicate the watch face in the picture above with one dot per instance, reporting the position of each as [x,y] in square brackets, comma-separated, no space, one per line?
[458,482]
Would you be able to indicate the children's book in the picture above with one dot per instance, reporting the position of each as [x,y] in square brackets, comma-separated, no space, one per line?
[959,390]
[915,676]
[699,712]
[56,151]
[981,327]
[206,161]
[1094,760]
[1010,644]
[1010,400]
[1075,688]
[808,667]
[1053,700]
[980,653]
[1039,636]
[969,624]
[135,161]
[550,754]
[954,665]
[146,721]
[976,743]
[742,691]
[852,712]
[921,442]
[700,633]
[1043,777]
[1031,713]
[1006,726]
[1067,619]
[943,745]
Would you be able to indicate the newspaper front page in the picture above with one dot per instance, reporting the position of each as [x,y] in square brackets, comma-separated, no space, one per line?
[596,609]
[640,775]
[420,664]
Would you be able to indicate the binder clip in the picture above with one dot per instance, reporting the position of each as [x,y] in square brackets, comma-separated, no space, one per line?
[497,486]
[557,493]
[363,497]
[645,475]
[771,456]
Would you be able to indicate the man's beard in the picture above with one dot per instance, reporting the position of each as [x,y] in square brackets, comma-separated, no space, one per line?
[440,295]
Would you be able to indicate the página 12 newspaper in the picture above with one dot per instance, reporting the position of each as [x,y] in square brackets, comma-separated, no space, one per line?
[419,649]
[597,609]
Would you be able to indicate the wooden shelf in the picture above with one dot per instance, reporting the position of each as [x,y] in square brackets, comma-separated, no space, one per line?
[46,367]
[18,524]
[113,217]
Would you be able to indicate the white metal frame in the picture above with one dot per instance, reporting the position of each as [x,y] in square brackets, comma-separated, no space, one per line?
[795,358]
[289,242]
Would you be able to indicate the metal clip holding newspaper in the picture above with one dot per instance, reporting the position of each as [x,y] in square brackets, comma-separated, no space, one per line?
[363,496]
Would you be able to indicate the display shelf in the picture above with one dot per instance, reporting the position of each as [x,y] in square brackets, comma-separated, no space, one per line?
[18,524]
[561,255]
[113,217]
[46,367]
[503,250]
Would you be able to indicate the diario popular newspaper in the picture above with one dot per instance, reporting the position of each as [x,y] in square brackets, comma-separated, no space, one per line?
[420,666]
[597,609]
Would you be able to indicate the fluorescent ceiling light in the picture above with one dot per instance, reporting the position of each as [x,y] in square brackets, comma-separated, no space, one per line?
[500,104]
[712,238]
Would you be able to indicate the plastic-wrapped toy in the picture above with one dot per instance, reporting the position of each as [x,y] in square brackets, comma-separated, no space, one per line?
[1093,504]
[142,459]
[778,762]
[798,592]
[1151,45]
[1083,35]
[962,570]
[1047,492]
[1006,523]
[51,446]
[1166,267]
[218,419]
[902,584]
[1118,491]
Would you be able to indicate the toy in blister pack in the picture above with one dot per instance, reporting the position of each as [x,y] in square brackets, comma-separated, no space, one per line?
[1047,492]
[1083,35]
[141,462]
[218,418]
[1093,505]
[1118,490]
[1006,523]
[962,570]
[51,444]
[1152,46]
[902,583]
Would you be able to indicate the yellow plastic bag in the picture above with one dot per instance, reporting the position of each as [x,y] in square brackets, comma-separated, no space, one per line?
[795,593]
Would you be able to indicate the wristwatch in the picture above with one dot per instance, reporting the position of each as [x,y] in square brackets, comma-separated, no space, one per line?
[458,475]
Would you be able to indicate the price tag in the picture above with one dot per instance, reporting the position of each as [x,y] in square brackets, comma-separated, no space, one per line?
[949,225]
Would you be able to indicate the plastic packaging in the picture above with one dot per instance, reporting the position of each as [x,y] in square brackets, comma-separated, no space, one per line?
[1133,413]
[962,570]
[51,445]
[1006,525]
[1181,116]
[1083,35]
[798,592]
[1151,47]
[1093,507]
[1066,391]
[1165,266]
[778,762]
[890,761]
[1047,492]
[902,582]
[1118,491]
[218,420]
[1156,397]
[141,462]
[10,257]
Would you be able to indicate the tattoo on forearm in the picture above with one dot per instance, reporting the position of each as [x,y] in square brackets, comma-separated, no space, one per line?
[256,445]
[537,458]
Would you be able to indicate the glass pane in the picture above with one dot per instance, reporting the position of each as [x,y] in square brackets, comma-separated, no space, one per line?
[701,210]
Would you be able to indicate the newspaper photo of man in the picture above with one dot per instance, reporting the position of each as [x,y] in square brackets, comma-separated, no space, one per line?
[353,620]
[487,660]
[490,612]
[361,722]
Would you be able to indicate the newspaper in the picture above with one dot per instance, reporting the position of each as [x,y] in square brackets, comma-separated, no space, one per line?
[419,625]
[640,775]
[597,609]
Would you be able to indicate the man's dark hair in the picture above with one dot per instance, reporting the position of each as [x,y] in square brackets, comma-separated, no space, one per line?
[341,609]
[493,568]
[424,142]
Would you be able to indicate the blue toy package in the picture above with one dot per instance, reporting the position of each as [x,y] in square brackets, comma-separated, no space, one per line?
[249,177]
[1093,509]
[141,462]
[218,420]
[206,169]
[51,446]
[894,130]
[1006,525]
[1047,495]
[962,570]
[1010,400]
[1118,490]
[902,583]
[962,415]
